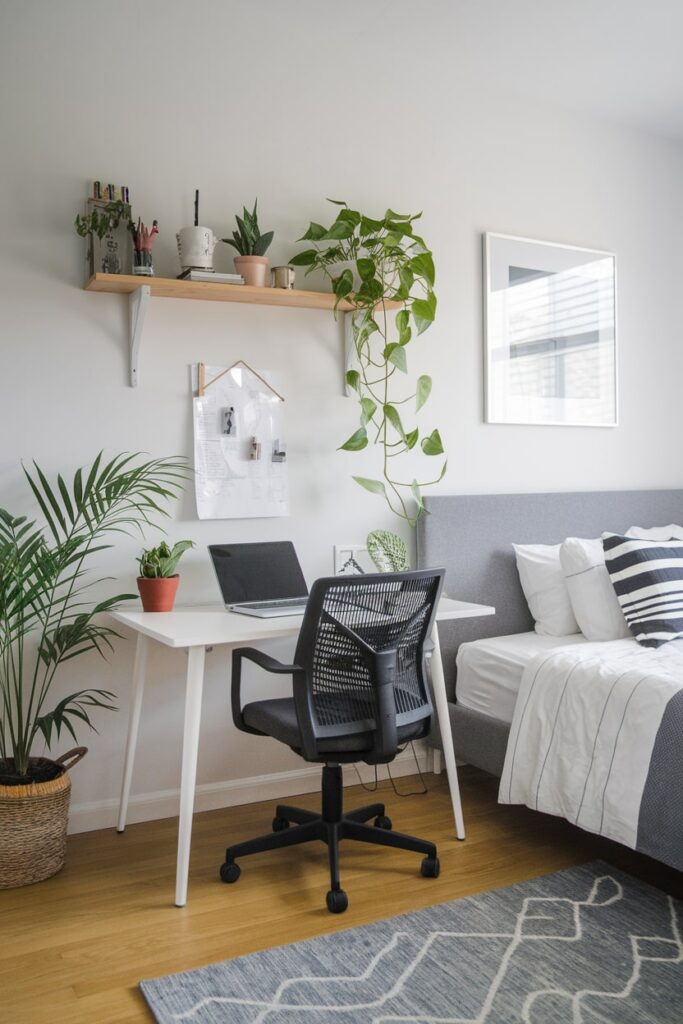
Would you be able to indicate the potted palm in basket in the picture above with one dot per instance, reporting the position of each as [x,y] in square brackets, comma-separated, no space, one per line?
[47,619]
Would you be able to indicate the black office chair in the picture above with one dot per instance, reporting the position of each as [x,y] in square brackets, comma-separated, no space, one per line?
[359,693]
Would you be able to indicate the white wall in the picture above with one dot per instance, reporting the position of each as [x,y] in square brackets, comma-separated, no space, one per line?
[295,102]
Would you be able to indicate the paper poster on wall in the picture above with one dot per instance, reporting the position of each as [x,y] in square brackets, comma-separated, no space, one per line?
[240,454]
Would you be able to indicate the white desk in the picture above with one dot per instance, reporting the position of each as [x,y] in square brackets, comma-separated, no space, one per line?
[196,628]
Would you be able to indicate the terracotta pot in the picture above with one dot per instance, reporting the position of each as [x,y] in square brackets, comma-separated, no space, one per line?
[254,269]
[158,595]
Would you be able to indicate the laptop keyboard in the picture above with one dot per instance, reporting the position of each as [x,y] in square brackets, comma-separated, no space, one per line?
[290,602]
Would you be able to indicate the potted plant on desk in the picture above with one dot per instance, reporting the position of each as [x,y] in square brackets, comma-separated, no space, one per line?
[47,619]
[158,579]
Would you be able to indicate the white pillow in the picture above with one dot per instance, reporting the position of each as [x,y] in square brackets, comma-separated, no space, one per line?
[542,579]
[670,532]
[594,602]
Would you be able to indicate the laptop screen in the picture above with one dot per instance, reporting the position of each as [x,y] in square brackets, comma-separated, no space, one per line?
[258,572]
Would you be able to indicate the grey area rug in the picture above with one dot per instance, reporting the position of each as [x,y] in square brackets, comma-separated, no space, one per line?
[585,946]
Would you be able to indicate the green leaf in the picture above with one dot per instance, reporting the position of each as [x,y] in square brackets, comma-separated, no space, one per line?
[424,311]
[388,551]
[424,389]
[368,226]
[415,490]
[352,216]
[314,234]
[340,229]
[368,409]
[353,379]
[411,438]
[301,259]
[443,471]
[338,202]
[356,442]
[262,243]
[366,267]
[423,266]
[432,445]
[375,486]
[343,284]
[392,416]
[392,215]
[407,279]
[403,327]
[396,355]
[370,291]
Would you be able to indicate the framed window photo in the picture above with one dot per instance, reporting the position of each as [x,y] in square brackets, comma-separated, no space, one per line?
[550,333]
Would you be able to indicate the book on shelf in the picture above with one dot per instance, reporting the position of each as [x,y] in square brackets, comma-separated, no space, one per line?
[210,275]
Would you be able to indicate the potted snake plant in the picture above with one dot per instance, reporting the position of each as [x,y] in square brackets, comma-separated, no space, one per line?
[46,619]
[251,261]
[158,580]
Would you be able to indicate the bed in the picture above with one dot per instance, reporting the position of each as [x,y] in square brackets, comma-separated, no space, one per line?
[488,661]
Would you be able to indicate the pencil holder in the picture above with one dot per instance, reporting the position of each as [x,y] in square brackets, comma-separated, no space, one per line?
[142,263]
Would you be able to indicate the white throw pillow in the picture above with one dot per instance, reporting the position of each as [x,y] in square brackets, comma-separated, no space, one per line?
[594,602]
[670,532]
[542,579]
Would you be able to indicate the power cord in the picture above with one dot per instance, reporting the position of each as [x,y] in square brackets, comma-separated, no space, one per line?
[372,787]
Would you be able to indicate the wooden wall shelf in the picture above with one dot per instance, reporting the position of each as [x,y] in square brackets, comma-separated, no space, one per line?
[214,291]
[140,289]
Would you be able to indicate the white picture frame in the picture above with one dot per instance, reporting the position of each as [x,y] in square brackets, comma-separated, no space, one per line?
[550,333]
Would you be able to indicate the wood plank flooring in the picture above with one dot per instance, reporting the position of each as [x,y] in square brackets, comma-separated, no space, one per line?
[75,947]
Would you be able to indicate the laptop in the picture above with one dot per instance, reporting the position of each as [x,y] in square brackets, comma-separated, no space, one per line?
[263,579]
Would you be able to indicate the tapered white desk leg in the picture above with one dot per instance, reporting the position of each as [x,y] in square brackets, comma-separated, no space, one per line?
[139,671]
[441,701]
[193,709]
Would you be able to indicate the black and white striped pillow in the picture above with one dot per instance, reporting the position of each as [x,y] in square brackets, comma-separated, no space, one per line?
[647,576]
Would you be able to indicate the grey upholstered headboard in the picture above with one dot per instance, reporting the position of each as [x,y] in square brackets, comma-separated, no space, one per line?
[472,536]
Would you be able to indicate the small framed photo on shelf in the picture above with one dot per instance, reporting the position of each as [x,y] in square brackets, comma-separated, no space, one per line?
[550,333]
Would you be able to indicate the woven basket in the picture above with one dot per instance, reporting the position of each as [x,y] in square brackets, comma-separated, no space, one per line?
[33,823]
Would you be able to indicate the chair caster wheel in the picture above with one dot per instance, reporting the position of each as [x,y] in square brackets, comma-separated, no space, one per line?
[337,901]
[230,871]
[383,822]
[430,867]
[280,824]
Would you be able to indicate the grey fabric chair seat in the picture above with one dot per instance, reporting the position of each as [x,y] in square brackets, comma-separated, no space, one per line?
[277,718]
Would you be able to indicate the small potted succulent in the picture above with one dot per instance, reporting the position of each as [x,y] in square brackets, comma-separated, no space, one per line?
[251,245]
[158,579]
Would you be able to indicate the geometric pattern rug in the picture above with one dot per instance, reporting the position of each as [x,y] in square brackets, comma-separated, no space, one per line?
[589,945]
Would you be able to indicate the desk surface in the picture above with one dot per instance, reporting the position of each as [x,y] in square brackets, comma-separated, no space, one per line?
[210,624]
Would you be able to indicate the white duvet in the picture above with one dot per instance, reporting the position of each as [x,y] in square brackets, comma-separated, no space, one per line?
[583,732]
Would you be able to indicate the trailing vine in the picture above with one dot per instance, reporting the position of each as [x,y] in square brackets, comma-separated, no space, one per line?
[373,265]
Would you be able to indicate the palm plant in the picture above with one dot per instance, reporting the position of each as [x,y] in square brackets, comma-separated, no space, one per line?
[46,618]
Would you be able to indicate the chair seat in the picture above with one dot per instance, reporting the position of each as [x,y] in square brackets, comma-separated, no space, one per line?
[277,718]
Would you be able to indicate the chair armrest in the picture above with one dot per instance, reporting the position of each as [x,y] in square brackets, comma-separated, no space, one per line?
[265,662]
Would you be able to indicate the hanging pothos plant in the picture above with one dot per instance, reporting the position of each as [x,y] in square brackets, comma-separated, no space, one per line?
[375,265]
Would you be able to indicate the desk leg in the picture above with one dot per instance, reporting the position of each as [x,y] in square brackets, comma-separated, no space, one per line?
[139,672]
[441,701]
[193,708]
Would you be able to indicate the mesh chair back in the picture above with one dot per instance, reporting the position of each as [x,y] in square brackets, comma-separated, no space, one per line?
[357,629]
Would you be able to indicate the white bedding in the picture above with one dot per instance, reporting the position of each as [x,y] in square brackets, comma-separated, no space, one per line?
[490,671]
[584,740]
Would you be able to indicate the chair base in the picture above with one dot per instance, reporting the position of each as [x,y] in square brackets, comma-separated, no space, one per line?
[330,827]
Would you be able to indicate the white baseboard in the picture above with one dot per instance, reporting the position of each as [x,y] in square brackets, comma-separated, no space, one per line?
[210,796]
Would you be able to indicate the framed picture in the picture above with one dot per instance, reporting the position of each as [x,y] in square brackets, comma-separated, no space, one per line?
[550,333]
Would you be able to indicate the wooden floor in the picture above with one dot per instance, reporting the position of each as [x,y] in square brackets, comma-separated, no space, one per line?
[74,948]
